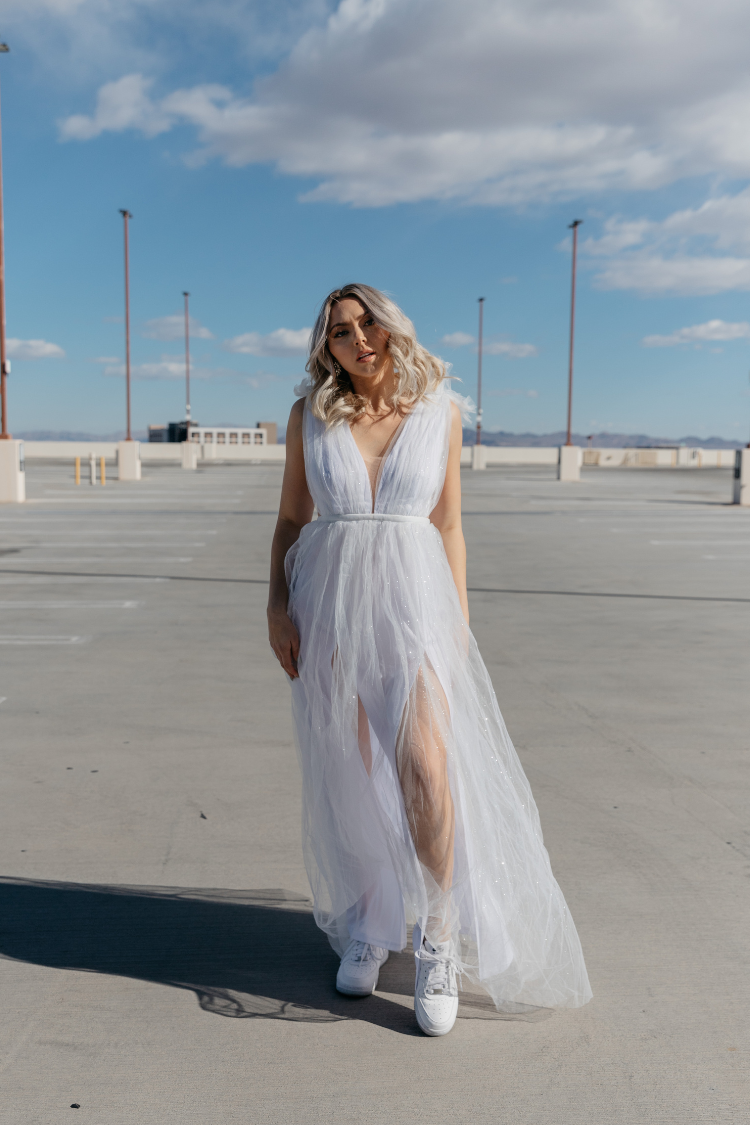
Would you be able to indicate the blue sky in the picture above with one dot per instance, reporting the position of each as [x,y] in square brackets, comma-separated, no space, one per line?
[438,149]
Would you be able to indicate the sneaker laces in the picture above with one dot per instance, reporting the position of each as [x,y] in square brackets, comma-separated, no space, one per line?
[438,973]
[361,951]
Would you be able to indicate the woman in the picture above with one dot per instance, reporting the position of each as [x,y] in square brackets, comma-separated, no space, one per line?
[416,808]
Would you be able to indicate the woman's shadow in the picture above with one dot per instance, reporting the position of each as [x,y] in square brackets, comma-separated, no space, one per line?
[245,954]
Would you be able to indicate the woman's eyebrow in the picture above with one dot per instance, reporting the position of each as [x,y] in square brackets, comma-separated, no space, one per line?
[343,323]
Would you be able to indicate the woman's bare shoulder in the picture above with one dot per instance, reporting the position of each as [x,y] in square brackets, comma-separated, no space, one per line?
[294,427]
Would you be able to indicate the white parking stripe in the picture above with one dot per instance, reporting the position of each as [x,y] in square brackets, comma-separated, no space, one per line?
[68,605]
[698,542]
[15,559]
[11,639]
[99,546]
[77,579]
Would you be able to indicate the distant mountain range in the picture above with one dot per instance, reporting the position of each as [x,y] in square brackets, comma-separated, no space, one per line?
[597,441]
[489,437]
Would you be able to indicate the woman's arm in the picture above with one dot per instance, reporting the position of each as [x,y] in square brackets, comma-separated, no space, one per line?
[447,512]
[295,510]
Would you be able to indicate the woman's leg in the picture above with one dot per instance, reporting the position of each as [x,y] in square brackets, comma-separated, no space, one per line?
[363,736]
[423,772]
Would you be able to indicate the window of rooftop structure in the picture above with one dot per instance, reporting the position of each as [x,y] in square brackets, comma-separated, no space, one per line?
[233,439]
[221,438]
[258,439]
[246,439]
[208,436]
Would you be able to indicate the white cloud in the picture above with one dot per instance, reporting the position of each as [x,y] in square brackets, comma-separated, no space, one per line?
[280,342]
[710,332]
[124,104]
[33,349]
[695,251]
[487,102]
[173,328]
[169,367]
[513,391]
[682,275]
[509,349]
[166,368]
[457,340]
[490,347]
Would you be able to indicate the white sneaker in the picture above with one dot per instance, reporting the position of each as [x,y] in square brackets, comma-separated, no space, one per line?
[359,968]
[435,992]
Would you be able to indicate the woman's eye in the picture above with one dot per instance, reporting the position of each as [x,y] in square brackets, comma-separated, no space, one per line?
[341,332]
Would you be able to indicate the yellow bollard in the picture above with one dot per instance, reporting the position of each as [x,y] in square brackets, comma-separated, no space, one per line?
[78,470]
[102,473]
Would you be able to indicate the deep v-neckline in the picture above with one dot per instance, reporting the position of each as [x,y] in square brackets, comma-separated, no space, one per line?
[375,488]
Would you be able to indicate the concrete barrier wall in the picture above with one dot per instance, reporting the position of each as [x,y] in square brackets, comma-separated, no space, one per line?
[151,452]
[68,450]
[684,457]
[171,452]
[513,455]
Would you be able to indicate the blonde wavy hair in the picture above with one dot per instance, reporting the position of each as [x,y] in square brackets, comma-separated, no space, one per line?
[332,397]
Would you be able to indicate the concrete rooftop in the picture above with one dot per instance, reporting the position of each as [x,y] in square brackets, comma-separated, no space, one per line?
[160,963]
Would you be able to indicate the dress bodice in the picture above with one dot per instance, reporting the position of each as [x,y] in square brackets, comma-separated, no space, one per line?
[410,475]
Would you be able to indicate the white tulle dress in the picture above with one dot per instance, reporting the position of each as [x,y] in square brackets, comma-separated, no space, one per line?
[377,610]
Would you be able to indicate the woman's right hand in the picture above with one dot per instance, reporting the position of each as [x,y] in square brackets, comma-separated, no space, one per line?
[284,640]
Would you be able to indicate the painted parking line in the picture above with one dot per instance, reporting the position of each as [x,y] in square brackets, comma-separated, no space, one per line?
[38,561]
[71,519]
[68,605]
[21,639]
[699,542]
[100,546]
[71,579]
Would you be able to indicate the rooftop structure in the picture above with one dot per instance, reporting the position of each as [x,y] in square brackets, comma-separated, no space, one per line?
[151,799]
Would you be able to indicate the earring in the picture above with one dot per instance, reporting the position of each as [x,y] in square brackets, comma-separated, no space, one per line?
[336,369]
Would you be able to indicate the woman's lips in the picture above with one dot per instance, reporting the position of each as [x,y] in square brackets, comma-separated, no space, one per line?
[365,355]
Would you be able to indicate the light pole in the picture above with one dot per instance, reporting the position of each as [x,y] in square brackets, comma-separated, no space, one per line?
[4,363]
[479,372]
[126,216]
[187,366]
[574,227]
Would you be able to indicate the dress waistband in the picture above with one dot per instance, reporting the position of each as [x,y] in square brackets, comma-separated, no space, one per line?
[388,517]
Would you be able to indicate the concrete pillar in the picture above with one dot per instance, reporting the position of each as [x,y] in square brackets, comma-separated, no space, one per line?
[190,454]
[742,478]
[12,472]
[92,469]
[569,463]
[208,451]
[129,460]
[478,458]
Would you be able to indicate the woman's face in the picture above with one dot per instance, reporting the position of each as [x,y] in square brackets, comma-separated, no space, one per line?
[355,340]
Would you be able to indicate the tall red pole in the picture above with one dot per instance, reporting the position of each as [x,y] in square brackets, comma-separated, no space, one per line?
[574,227]
[4,364]
[187,363]
[479,372]
[125,217]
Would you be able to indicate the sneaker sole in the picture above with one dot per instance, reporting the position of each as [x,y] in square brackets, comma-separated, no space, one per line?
[355,992]
[434,1034]
[432,1031]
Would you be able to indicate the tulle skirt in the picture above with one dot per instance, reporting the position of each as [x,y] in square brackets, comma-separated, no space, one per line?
[382,633]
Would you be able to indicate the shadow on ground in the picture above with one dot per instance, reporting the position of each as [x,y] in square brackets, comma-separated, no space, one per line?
[245,954]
